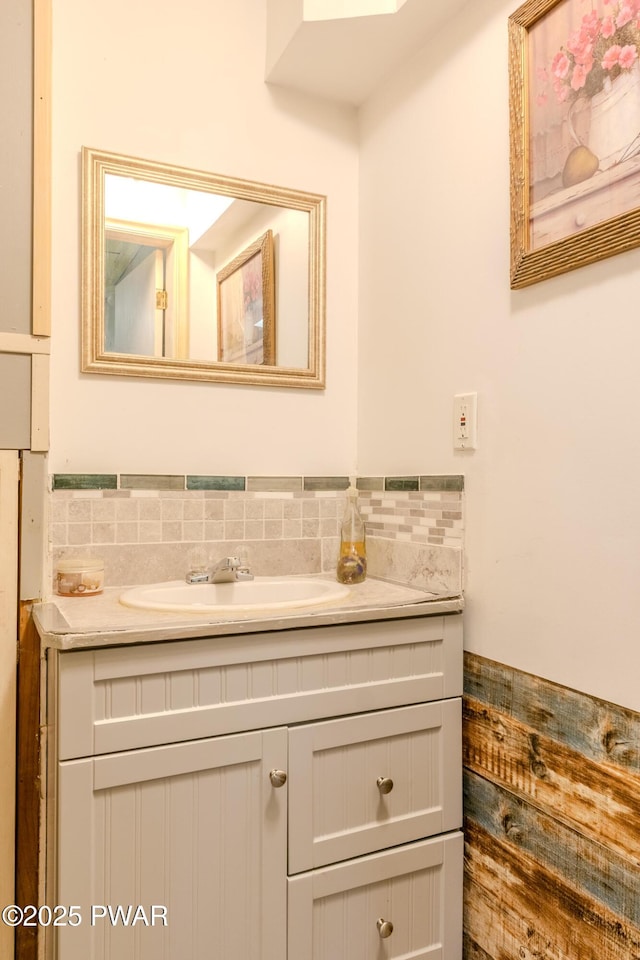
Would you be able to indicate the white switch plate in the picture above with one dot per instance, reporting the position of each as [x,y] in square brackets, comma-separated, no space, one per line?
[465,421]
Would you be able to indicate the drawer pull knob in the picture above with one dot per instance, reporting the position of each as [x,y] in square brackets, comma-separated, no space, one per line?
[385,928]
[385,785]
[278,778]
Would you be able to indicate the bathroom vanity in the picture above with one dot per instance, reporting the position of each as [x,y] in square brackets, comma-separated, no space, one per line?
[265,789]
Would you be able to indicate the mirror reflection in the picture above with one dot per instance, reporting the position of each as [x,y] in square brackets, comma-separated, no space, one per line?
[196,276]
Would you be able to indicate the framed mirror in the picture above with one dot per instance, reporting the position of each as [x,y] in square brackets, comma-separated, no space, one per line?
[196,276]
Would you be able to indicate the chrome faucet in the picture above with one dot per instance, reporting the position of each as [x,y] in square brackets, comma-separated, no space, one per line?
[227,570]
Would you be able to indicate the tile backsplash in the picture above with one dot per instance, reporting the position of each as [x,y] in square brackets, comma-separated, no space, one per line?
[150,529]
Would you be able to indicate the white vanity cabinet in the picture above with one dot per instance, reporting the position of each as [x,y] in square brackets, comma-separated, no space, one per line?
[287,795]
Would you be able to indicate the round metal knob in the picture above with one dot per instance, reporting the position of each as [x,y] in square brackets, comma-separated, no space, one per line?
[385,928]
[385,785]
[278,778]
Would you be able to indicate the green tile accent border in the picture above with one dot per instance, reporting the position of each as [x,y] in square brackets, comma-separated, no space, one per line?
[454,482]
[215,483]
[326,483]
[401,483]
[139,481]
[274,484]
[370,483]
[132,481]
[85,481]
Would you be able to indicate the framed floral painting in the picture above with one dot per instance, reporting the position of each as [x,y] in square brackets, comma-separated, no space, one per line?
[574,90]
[246,306]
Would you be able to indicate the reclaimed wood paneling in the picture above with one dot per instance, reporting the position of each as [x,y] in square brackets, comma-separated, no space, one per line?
[552,820]
[28,779]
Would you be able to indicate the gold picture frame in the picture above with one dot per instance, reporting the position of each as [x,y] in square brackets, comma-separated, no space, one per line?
[567,212]
[246,306]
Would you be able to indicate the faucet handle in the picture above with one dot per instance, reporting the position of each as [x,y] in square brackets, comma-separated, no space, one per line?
[243,571]
[231,568]
[198,570]
[197,576]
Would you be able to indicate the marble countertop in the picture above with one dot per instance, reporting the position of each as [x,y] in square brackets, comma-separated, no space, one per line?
[70,623]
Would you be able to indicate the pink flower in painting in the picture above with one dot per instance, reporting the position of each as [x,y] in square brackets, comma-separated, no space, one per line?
[579,77]
[601,47]
[625,14]
[591,24]
[611,57]
[541,99]
[628,56]
[580,46]
[560,65]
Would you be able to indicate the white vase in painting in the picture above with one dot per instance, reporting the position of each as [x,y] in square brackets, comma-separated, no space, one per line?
[615,117]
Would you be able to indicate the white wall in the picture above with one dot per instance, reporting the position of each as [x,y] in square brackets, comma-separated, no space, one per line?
[183,83]
[553,512]
[553,519]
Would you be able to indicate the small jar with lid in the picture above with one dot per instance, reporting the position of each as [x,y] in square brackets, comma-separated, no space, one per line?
[79,576]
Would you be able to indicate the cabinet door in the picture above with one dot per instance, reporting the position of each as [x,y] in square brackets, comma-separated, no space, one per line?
[362,783]
[416,891]
[196,828]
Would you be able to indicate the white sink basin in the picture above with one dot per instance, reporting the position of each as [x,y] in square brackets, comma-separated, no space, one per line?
[262,593]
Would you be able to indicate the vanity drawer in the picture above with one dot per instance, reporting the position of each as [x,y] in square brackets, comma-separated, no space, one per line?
[334,911]
[376,780]
[122,698]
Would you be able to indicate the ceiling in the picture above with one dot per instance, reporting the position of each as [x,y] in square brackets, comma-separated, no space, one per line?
[346,57]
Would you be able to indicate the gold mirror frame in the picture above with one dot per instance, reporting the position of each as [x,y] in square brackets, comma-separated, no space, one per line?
[95,359]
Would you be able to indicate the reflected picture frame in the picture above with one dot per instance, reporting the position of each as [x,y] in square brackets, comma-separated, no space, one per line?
[246,305]
[563,215]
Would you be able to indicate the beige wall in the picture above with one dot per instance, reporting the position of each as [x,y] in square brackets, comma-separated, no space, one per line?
[553,517]
[184,84]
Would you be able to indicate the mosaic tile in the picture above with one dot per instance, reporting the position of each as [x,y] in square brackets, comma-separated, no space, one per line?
[193,530]
[254,510]
[103,533]
[254,530]
[85,481]
[162,516]
[274,484]
[273,529]
[292,509]
[370,483]
[127,532]
[79,510]
[78,534]
[451,482]
[137,481]
[401,483]
[215,483]
[326,483]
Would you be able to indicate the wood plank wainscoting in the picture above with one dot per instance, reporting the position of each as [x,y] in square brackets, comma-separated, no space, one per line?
[552,820]
[28,788]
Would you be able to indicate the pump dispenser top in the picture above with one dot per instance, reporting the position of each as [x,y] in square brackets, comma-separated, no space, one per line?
[352,562]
